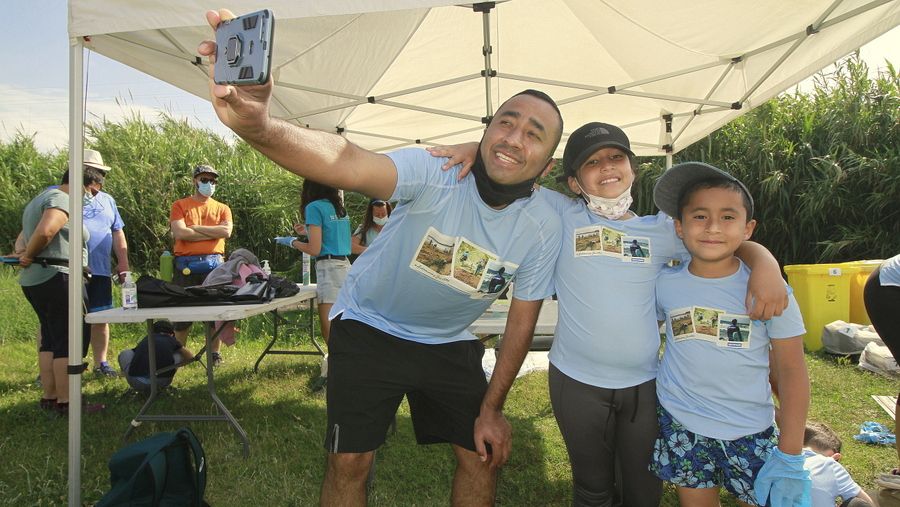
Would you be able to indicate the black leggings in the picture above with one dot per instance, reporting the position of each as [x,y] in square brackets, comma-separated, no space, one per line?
[883,307]
[50,301]
[606,429]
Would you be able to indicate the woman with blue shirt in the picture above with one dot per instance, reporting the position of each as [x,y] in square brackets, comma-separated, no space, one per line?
[328,241]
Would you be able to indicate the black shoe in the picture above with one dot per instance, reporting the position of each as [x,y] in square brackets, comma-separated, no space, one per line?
[217,359]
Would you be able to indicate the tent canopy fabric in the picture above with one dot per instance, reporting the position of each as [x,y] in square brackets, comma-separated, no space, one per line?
[392,73]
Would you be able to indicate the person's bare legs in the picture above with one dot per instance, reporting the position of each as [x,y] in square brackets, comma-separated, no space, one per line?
[61,378]
[99,342]
[324,323]
[474,483]
[698,497]
[345,479]
[45,365]
[181,335]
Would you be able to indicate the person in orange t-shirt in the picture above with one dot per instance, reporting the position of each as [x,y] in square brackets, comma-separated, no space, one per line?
[200,226]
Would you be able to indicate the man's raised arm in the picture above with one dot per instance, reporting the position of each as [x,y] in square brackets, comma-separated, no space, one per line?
[323,157]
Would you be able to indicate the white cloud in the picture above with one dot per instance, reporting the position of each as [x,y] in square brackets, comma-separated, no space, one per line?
[43,112]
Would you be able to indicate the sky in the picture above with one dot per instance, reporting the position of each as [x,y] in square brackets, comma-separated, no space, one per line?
[35,94]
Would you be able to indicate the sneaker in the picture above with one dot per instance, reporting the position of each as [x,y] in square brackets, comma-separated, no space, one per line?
[105,370]
[318,384]
[217,359]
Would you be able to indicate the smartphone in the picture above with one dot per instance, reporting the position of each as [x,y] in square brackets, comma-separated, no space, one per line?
[244,53]
[10,260]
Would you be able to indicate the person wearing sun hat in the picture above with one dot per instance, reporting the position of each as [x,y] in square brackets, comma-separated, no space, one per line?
[716,412]
[102,219]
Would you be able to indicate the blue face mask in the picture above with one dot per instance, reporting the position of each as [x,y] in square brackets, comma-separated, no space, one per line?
[207,189]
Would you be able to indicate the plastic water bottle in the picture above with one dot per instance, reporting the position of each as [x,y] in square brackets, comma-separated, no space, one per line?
[166,266]
[305,268]
[265,268]
[129,293]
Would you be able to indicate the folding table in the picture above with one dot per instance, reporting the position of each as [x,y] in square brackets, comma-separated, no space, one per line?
[224,312]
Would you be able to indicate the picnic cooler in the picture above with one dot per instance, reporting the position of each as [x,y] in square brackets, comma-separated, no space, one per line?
[823,294]
[858,314]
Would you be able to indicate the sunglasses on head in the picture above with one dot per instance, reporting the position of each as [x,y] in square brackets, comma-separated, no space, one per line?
[208,180]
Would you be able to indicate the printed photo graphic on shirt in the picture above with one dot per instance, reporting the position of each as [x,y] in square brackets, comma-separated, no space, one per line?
[435,254]
[734,331]
[497,277]
[682,324]
[469,263]
[587,241]
[706,322]
[611,241]
[636,249]
[463,265]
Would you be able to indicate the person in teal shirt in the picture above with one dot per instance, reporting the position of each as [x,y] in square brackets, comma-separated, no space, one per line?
[328,241]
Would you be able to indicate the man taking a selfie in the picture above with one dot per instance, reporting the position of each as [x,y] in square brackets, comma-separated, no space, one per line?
[413,341]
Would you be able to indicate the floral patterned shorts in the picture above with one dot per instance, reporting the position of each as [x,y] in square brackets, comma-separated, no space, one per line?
[690,460]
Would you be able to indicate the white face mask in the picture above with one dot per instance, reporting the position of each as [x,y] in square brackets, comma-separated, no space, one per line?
[613,209]
[380,220]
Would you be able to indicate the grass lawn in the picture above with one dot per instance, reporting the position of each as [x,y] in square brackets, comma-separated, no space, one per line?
[286,424]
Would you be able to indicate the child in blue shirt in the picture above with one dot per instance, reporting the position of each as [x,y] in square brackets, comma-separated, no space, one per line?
[716,414]
[822,452]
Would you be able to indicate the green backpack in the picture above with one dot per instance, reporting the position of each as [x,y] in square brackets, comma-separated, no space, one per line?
[166,469]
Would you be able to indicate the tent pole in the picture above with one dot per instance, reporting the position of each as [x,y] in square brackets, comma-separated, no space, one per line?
[485,9]
[76,171]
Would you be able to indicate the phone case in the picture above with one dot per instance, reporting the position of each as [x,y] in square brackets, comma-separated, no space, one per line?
[244,54]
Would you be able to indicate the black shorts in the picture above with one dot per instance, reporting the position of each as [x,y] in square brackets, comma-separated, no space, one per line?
[50,301]
[883,306]
[99,291]
[370,371]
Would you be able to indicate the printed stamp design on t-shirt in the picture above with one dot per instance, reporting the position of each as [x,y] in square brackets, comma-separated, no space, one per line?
[636,249]
[611,241]
[463,265]
[587,241]
[734,331]
[598,240]
[682,324]
[712,325]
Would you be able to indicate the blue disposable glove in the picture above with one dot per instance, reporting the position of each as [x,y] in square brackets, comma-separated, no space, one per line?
[783,482]
[287,241]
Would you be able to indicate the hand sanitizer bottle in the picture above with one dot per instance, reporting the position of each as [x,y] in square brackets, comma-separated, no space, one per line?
[129,293]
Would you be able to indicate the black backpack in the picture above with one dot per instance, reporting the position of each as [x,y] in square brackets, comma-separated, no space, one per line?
[165,470]
[155,293]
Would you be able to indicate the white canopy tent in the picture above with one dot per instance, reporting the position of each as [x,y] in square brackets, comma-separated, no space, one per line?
[393,73]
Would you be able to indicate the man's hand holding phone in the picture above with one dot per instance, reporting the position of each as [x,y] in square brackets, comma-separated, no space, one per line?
[245,108]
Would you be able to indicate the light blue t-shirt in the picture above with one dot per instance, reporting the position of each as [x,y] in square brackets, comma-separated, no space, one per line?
[335,230]
[430,273]
[714,376]
[890,272]
[829,479]
[605,278]
[101,218]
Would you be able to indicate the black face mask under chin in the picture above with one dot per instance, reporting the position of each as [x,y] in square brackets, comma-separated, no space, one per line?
[496,194]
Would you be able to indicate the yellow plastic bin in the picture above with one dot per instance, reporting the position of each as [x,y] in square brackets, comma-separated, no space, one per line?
[823,294]
[858,314]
